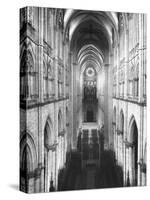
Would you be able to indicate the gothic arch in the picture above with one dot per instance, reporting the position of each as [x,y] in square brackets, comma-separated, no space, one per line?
[132,122]
[27,46]
[121,123]
[48,141]
[133,139]
[27,61]
[27,75]
[27,160]
[81,16]
[48,136]
[27,142]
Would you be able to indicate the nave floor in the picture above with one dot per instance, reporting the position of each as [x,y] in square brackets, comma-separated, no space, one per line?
[108,175]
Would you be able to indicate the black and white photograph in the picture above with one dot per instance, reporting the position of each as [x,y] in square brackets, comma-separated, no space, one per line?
[83,99]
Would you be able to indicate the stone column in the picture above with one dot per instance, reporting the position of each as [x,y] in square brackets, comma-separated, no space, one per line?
[56,171]
[117,73]
[40,92]
[110,96]
[61,138]
[71,99]
[130,166]
[50,164]
[124,167]
[53,167]
[106,121]
[142,97]
[141,55]
[75,105]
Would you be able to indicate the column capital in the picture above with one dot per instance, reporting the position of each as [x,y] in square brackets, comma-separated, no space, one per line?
[128,144]
[52,147]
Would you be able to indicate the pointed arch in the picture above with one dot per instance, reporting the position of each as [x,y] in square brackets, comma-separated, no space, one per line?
[28,163]
[27,160]
[121,123]
[48,141]
[48,136]
[132,124]
[27,73]
[27,46]
[28,153]
[133,138]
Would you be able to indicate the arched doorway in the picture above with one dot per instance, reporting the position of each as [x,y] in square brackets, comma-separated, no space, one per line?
[134,153]
[48,155]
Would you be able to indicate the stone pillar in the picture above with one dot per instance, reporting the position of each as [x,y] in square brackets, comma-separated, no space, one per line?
[55,170]
[56,141]
[116,145]
[56,61]
[130,166]
[50,164]
[106,122]
[143,176]
[124,167]
[61,139]
[117,72]
[75,105]
[40,83]
[81,117]
[126,65]
[36,184]
[110,96]
[141,55]
[142,97]
[71,98]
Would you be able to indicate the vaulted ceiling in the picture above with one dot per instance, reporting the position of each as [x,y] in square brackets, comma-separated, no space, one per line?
[91,35]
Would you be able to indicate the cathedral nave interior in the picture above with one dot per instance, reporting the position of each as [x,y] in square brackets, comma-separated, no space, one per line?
[82,99]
